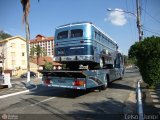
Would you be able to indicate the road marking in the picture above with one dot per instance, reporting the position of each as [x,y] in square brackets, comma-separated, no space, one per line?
[157,106]
[154,96]
[17,93]
[42,101]
[155,100]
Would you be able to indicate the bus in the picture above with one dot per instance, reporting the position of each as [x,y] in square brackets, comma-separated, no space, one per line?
[90,58]
[84,43]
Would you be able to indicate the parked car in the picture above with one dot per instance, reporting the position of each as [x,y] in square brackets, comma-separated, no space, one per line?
[32,74]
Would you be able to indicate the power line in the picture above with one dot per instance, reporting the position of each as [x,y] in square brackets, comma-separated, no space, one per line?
[151,16]
[145,7]
[151,31]
[129,21]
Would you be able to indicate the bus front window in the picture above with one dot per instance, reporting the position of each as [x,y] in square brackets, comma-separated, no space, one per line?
[76,33]
[62,35]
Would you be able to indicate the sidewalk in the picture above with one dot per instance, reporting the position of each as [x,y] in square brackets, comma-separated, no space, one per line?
[151,100]
[19,85]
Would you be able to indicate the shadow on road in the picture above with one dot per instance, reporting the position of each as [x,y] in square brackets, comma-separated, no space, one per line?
[105,110]
[115,85]
[110,109]
[59,92]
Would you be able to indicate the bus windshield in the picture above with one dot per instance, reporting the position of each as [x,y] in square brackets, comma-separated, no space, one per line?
[62,35]
[76,33]
[73,34]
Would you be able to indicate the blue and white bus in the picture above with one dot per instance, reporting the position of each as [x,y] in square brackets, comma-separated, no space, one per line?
[83,42]
[91,58]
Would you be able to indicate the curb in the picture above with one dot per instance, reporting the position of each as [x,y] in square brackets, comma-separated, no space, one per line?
[139,100]
[17,93]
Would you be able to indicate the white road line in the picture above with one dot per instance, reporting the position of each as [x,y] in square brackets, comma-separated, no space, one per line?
[154,96]
[42,101]
[155,100]
[17,93]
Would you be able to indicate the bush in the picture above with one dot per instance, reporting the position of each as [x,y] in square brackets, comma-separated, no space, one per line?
[48,66]
[147,53]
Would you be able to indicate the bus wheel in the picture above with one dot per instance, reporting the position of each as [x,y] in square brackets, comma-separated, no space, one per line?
[104,87]
[101,63]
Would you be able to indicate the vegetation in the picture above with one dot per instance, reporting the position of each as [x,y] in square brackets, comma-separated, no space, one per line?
[4,35]
[147,55]
[38,52]
[48,66]
[128,61]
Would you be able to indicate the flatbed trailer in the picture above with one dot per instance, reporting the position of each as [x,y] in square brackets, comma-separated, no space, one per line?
[80,79]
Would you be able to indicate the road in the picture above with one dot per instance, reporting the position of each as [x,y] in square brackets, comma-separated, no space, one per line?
[55,103]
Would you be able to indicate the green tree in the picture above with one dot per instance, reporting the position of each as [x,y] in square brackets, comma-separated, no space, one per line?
[4,35]
[147,54]
[48,66]
[38,52]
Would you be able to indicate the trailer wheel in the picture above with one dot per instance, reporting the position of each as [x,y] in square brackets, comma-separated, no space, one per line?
[104,87]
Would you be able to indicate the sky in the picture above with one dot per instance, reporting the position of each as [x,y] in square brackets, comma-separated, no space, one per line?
[46,15]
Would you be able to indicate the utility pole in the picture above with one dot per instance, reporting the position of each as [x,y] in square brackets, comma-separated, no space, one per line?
[139,26]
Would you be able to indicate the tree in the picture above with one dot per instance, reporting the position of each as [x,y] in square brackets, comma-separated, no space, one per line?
[26,9]
[4,35]
[48,66]
[37,52]
[147,54]
[133,52]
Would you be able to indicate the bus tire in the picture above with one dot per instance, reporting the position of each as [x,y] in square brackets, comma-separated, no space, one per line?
[101,62]
[104,87]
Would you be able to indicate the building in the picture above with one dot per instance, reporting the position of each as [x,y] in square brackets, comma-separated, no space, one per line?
[46,43]
[13,57]
[42,60]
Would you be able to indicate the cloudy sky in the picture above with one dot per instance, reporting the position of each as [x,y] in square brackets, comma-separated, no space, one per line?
[116,17]
[46,15]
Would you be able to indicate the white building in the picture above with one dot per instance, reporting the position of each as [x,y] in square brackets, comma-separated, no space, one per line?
[13,57]
[46,43]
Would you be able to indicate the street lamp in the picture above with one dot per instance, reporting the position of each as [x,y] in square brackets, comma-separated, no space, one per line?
[109,9]
[138,19]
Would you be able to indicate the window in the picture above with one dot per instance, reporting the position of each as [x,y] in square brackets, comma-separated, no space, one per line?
[23,62]
[13,45]
[62,35]
[76,33]
[23,46]
[23,54]
[97,36]
[13,54]
[13,62]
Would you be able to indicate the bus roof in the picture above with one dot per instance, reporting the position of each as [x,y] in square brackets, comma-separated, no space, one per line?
[73,24]
[86,22]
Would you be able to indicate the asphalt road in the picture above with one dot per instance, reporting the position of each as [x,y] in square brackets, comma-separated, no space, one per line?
[54,103]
